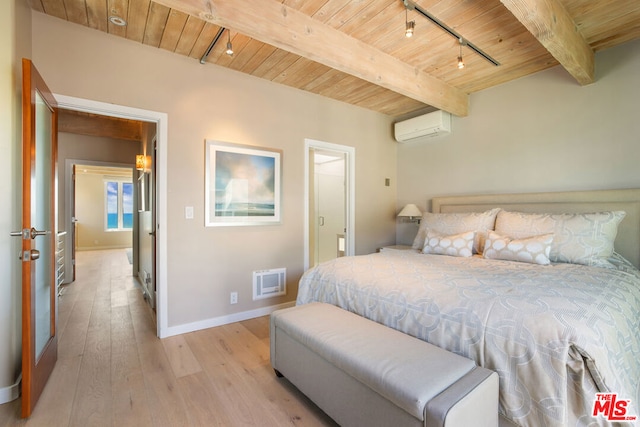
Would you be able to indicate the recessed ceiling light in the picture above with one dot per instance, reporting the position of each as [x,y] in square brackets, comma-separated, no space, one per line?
[116,20]
[206,16]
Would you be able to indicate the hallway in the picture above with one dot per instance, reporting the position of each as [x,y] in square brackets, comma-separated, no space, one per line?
[112,370]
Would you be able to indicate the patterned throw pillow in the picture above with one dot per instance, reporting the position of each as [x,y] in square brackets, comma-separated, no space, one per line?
[534,250]
[454,245]
[582,238]
[454,223]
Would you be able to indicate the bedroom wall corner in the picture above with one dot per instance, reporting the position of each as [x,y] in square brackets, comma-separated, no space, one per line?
[539,133]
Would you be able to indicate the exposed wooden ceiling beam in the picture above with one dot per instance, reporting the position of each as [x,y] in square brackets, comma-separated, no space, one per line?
[550,23]
[281,26]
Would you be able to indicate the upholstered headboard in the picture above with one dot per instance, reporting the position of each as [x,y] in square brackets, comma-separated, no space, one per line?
[627,241]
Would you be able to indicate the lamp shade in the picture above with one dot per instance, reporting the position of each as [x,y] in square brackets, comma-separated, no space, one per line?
[141,162]
[410,211]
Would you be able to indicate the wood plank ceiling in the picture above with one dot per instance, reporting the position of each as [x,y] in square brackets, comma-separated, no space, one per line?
[356,51]
[81,123]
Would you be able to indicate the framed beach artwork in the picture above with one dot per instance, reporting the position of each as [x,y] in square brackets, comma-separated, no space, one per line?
[242,185]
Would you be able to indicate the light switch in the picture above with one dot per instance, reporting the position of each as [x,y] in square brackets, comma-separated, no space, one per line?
[188,212]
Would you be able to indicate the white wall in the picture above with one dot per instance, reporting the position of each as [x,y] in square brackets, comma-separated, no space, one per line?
[15,43]
[208,102]
[539,133]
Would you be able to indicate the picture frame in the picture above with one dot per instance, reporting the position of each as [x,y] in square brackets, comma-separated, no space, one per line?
[242,185]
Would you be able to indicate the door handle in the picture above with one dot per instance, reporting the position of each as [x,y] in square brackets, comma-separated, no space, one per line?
[32,254]
[34,233]
[25,234]
[29,234]
[321,221]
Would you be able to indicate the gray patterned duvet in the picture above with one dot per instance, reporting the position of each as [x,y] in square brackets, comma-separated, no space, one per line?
[556,335]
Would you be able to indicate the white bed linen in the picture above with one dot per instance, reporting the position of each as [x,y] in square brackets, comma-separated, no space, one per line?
[555,334]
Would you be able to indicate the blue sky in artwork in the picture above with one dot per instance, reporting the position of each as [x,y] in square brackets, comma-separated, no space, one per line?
[257,172]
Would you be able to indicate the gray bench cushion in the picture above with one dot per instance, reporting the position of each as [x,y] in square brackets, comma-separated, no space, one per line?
[404,370]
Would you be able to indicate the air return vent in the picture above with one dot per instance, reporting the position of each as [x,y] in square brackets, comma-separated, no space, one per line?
[269,283]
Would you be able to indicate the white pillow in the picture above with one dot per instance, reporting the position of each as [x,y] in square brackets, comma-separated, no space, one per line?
[534,250]
[454,223]
[454,245]
[582,238]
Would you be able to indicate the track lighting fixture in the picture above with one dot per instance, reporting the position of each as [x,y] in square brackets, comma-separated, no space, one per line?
[409,25]
[229,46]
[460,61]
[203,59]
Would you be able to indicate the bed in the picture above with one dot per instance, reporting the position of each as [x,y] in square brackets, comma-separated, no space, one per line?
[558,326]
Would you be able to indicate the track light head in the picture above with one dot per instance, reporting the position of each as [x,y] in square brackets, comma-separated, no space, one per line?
[229,46]
[460,61]
[410,27]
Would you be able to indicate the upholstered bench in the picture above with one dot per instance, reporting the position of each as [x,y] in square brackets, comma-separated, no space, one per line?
[362,373]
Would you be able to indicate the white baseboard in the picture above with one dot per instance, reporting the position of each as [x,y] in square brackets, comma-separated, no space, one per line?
[10,393]
[224,320]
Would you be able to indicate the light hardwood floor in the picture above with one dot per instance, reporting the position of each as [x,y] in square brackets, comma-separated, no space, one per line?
[113,371]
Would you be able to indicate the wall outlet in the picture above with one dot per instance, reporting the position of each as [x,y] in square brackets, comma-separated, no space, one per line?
[233,299]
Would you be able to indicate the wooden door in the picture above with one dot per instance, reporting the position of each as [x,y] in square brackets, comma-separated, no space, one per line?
[39,287]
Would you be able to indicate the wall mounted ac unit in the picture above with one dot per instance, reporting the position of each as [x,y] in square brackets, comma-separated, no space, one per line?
[428,125]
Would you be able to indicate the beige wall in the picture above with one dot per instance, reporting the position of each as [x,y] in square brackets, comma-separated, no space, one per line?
[539,133]
[74,148]
[207,102]
[90,211]
[15,43]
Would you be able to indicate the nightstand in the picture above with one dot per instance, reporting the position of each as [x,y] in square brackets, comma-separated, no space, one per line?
[395,248]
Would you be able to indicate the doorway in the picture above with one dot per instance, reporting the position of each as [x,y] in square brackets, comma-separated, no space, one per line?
[159,196]
[328,205]
[102,205]
[100,209]
[329,201]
